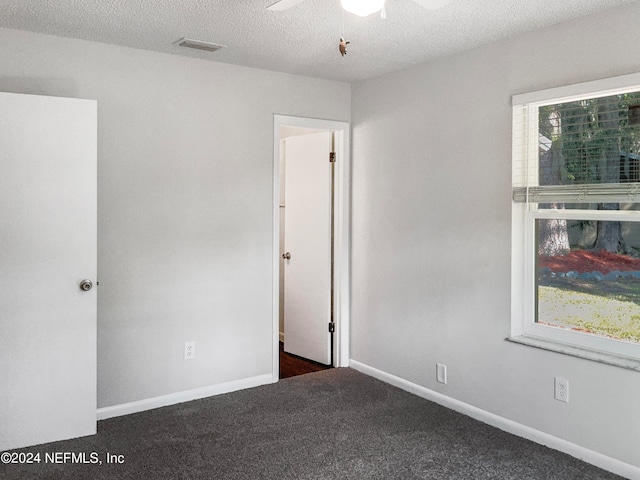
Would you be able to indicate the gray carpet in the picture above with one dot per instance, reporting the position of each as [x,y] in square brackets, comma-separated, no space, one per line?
[334,424]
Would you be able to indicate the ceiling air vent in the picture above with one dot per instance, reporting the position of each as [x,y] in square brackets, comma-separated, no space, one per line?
[198,45]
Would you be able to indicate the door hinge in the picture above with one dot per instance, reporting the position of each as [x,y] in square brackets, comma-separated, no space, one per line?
[332,327]
[332,157]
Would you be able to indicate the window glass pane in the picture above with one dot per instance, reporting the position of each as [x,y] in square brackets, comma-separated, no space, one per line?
[595,140]
[581,284]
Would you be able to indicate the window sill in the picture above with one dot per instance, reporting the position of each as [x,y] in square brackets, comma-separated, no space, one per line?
[566,349]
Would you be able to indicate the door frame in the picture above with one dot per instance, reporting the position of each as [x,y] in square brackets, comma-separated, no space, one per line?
[342,239]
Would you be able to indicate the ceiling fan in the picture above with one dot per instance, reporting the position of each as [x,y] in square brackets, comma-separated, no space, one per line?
[362,8]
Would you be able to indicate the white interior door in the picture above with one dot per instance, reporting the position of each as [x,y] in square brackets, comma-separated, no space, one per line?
[48,211]
[307,279]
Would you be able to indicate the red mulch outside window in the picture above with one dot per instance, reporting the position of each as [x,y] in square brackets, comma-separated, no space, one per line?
[583,261]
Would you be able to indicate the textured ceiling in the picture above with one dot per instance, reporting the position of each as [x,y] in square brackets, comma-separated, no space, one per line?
[302,40]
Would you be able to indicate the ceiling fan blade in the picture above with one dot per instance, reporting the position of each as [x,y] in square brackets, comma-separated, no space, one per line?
[432,4]
[283,5]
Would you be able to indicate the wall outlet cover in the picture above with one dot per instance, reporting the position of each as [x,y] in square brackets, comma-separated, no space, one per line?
[189,350]
[561,389]
[441,373]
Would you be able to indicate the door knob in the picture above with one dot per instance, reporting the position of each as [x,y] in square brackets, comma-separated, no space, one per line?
[286,256]
[86,285]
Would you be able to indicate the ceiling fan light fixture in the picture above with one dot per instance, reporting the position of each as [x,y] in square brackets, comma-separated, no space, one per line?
[362,8]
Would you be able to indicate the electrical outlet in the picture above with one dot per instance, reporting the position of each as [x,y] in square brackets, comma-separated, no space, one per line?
[441,373]
[561,390]
[189,350]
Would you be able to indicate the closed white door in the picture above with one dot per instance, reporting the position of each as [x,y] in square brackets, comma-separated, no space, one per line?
[307,278]
[48,212]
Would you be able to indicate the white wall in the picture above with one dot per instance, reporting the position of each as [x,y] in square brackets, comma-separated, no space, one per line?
[185,152]
[431,232]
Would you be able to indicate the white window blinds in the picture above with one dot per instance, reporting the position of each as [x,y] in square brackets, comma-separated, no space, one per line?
[583,148]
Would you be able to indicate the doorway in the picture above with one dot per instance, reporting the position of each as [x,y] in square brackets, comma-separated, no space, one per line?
[337,312]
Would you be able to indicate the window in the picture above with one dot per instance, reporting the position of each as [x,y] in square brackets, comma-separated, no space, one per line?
[576,216]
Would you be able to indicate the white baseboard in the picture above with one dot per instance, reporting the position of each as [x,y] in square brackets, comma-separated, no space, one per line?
[598,459]
[179,397]
[282,337]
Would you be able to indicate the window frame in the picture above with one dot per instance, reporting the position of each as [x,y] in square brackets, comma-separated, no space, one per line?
[525,142]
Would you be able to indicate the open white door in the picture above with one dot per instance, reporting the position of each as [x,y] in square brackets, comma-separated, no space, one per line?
[48,211]
[307,278]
